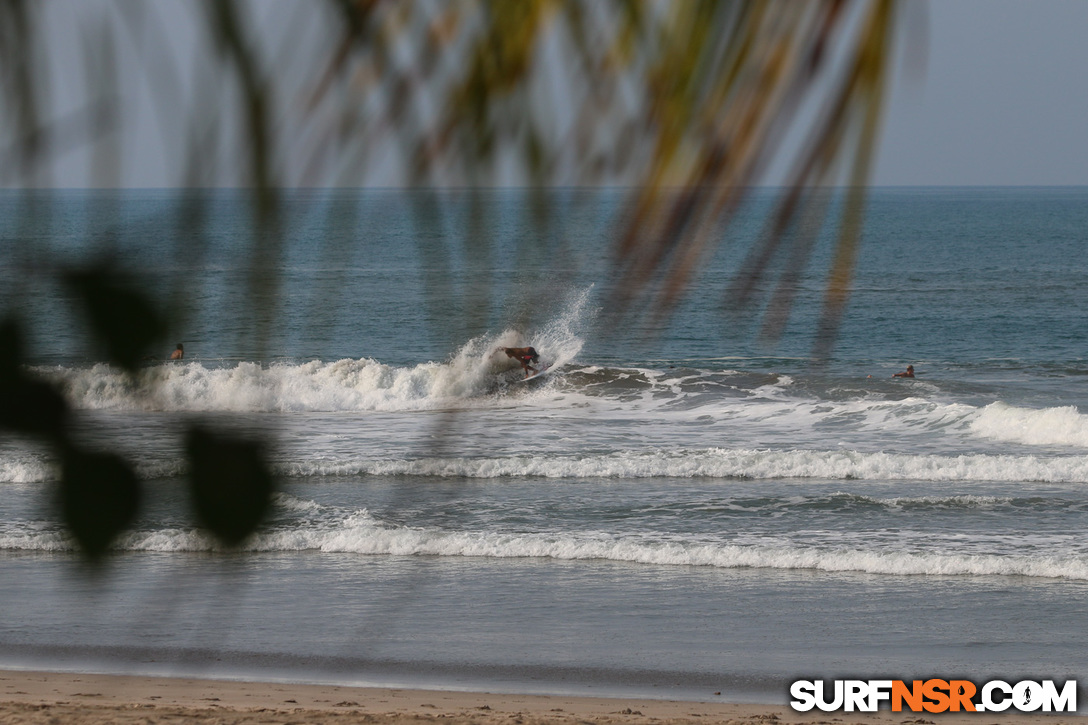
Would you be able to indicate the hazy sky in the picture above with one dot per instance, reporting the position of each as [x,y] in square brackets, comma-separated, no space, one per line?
[988,92]
[1003,99]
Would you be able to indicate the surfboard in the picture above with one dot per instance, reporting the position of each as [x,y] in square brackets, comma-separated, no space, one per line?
[539,373]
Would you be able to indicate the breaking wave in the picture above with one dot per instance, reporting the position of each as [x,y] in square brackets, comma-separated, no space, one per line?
[358,532]
[726,463]
[696,463]
[473,371]
[1060,426]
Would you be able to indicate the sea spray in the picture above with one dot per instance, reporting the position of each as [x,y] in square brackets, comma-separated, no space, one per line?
[561,339]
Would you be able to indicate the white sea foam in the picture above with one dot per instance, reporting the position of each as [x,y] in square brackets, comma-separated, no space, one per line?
[343,385]
[23,468]
[28,467]
[360,533]
[965,501]
[673,463]
[1061,426]
[724,463]
[31,540]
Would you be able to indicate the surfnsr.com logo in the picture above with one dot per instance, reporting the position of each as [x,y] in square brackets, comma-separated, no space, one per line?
[933,695]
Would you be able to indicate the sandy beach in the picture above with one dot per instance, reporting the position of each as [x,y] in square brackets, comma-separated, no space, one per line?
[90,699]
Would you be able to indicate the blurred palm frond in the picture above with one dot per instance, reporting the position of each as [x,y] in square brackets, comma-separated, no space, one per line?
[689,105]
[685,106]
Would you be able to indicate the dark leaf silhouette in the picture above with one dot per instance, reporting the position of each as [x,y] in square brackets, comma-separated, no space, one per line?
[27,405]
[99,498]
[121,316]
[11,349]
[231,483]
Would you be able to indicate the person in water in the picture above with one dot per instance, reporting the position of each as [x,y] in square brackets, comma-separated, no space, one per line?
[524,355]
[178,353]
[909,373]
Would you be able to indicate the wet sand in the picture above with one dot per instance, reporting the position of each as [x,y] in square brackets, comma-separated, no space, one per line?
[88,699]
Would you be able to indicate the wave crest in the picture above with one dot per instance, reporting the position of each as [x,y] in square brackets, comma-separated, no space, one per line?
[725,463]
[696,463]
[1060,426]
[359,533]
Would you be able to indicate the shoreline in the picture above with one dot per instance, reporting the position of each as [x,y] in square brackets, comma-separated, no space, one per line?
[32,696]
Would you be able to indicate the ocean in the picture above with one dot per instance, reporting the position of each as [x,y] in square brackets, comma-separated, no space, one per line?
[682,511]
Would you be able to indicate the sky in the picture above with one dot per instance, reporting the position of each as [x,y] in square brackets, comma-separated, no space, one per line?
[986,92]
[1002,99]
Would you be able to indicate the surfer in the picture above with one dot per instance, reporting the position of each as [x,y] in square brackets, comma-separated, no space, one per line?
[909,373]
[524,355]
[178,353]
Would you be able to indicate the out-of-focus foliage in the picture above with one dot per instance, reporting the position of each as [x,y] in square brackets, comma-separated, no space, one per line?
[99,497]
[232,485]
[119,315]
[688,104]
